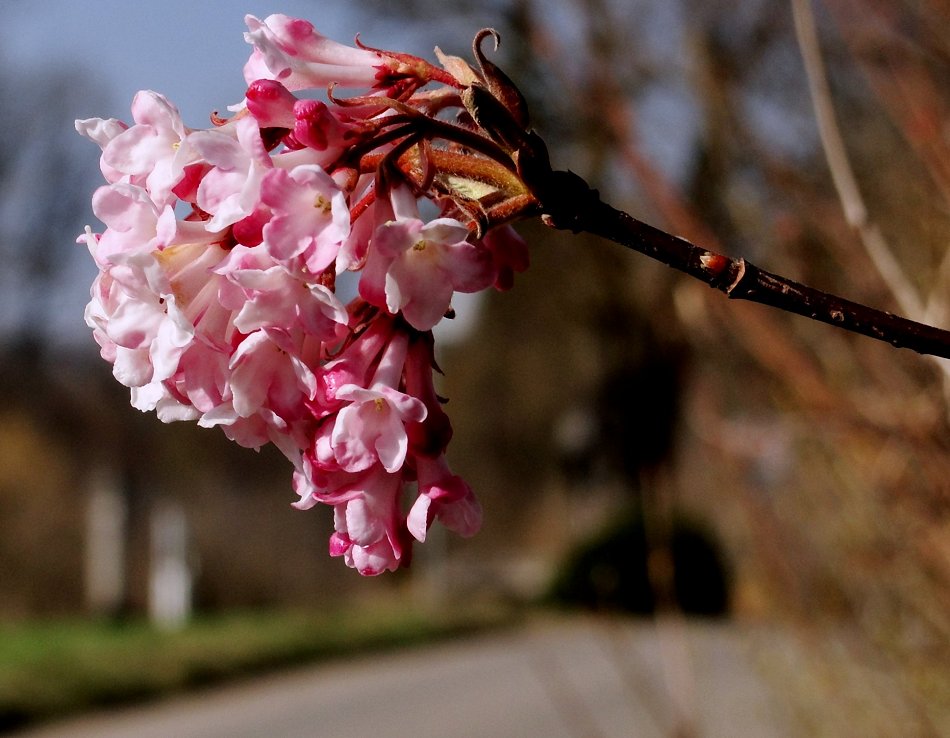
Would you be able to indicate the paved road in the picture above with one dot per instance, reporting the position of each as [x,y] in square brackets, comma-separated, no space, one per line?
[559,679]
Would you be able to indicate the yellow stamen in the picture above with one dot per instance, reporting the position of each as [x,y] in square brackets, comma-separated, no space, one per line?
[321,203]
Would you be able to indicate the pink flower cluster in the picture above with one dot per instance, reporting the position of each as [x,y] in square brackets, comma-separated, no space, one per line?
[216,298]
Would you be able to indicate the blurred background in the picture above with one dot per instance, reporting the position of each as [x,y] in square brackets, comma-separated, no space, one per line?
[638,442]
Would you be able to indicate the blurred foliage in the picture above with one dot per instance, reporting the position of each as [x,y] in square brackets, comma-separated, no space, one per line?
[612,571]
[821,460]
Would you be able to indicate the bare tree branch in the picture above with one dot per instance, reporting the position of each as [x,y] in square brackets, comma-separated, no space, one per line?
[849,193]
[569,203]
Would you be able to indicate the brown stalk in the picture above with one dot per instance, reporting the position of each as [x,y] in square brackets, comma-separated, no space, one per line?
[568,203]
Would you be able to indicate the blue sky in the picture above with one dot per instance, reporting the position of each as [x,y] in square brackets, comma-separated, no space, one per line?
[190,50]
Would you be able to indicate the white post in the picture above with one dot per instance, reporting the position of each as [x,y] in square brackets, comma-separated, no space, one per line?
[106,517]
[170,577]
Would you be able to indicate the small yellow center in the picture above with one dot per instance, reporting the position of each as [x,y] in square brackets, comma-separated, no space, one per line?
[380,404]
[419,245]
[321,203]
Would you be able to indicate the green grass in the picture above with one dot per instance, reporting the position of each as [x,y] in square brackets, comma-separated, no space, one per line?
[52,669]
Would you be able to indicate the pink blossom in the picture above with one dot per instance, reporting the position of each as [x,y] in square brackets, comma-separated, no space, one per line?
[151,151]
[291,51]
[230,190]
[101,131]
[509,252]
[135,225]
[277,299]
[368,526]
[443,496]
[414,267]
[142,331]
[265,375]
[373,426]
[310,217]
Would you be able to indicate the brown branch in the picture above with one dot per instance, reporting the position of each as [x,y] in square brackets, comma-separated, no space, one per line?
[568,203]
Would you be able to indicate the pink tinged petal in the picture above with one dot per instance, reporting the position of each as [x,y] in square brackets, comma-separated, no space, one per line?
[417,522]
[218,149]
[152,108]
[253,365]
[363,525]
[463,517]
[134,321]
[174,335]
[156,135]
[372,285]
[249,432]
[169,409]
[395,237]
[136,150]
[467,267]
[132,367]
[147,396]
[229,191]
[373,560]
[301,485]
[100,130]
[223,414]
[445,496]
[124,208]
[322,312]
[264,376]
[445,231]
[350,442]
[420,294]
[408,408]
[392,444]
[405,206]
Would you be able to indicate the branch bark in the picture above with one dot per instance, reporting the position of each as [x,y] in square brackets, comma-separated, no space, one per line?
[569,203]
